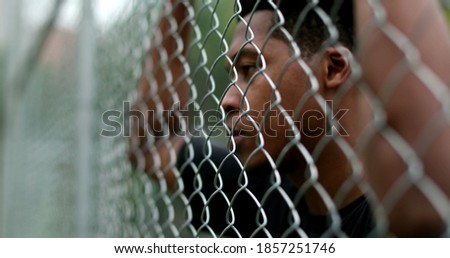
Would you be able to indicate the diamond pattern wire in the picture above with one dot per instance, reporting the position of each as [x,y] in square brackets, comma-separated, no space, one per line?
[249,118]
[192,195]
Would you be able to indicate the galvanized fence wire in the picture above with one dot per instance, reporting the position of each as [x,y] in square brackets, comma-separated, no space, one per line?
[411,153]
[126,205]
[196,159]
[212,102]
[34,133]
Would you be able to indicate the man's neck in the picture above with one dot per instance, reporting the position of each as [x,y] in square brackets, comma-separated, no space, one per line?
[333,184]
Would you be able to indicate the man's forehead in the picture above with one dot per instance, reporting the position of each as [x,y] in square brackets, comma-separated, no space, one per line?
[257,26]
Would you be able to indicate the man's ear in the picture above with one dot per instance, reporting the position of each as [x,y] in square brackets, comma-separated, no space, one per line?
[337,68]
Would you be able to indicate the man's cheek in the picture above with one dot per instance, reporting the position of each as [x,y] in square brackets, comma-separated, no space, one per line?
[313,124]
[251,122]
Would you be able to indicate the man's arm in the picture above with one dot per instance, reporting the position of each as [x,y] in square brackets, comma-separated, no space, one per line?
[163,93]
[407,159]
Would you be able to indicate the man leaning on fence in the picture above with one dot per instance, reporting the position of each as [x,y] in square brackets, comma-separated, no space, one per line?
[339,109]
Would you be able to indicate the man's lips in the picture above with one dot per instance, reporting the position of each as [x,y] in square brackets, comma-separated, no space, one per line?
[235,134]
[238,139]
[239,135]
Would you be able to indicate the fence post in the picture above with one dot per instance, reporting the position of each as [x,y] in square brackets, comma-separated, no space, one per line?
[12,14]
[86,97]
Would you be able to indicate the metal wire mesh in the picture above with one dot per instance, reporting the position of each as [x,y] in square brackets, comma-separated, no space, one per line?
[231,119]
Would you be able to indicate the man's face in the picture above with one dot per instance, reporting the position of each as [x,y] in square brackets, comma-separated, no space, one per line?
[267,85]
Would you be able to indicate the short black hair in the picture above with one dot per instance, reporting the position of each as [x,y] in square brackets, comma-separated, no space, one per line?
[313,32]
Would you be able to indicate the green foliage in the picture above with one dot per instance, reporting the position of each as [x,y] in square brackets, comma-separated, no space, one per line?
[447,12]
[446,7]
[211,43]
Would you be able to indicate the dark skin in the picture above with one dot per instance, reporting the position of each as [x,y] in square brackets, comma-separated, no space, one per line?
[410,110]
[153,90]
[331,69]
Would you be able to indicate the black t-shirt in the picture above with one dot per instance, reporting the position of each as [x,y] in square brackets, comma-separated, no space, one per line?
[232,204]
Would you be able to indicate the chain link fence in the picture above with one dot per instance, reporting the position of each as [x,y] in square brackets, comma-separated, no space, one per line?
[216,118]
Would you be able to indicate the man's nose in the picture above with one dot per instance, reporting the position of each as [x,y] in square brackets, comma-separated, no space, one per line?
[231,102]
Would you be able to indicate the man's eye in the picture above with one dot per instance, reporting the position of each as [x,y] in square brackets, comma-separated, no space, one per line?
[248,70]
